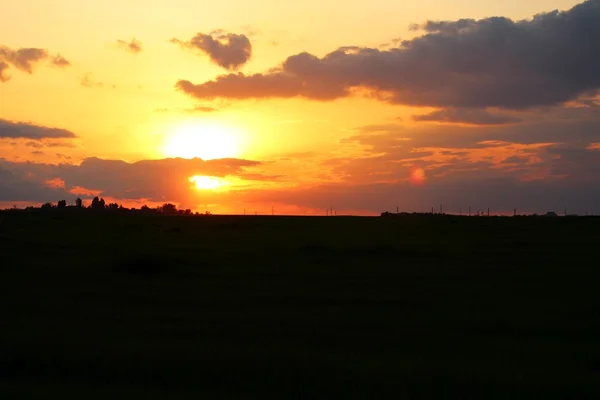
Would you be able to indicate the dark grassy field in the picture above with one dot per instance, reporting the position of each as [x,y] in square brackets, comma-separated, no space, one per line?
[100,304]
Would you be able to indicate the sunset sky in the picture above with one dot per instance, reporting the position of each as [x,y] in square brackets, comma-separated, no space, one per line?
[301,106]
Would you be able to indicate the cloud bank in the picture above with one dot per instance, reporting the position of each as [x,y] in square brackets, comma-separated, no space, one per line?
[548,161]
[153,180]
[492,62]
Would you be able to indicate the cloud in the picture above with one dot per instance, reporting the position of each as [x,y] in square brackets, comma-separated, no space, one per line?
[202,109]
[24,59]
[23,130]
[154,180]
[467,116]
[3,67]
[491,62]
[60,61]
[135,46]
[87,80]
[227,50]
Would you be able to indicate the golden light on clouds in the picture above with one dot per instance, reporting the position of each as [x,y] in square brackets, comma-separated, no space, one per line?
[207,141]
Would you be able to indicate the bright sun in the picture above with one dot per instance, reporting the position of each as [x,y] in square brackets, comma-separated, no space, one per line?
[205,141]
[207,182]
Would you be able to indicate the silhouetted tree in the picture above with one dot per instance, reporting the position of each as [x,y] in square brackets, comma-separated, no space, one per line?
[145,208]
[113,206]
[47,206]
[169,208]
[78,203]
[98,204]
[62,204]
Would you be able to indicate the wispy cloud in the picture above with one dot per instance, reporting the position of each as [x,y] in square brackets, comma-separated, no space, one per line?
[87,80]
[467,116]
[134,46]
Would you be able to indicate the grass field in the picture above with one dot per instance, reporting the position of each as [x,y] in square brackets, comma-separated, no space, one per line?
[98,304]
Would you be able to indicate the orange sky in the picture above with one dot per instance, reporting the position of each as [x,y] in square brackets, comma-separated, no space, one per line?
[287,122]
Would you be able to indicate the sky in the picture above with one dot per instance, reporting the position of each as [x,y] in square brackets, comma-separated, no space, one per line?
[300,107]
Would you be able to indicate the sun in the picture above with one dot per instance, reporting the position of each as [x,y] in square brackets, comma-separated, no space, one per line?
[207,182]
[205,141]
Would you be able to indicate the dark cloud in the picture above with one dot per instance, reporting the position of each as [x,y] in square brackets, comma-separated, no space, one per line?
[154,180]
[135,46]
[23,130]
[492,62]
[25,59]
[15,183]
[227,50]
[467,116]
[575,126]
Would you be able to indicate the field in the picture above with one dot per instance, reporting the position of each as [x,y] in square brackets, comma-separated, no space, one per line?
[98,304]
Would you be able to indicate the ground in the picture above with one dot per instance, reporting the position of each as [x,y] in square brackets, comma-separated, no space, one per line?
[95,304]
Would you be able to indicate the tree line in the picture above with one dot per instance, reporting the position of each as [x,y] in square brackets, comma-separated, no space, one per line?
[99,203]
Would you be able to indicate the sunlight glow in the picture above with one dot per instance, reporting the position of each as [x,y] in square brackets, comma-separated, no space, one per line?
[205,141]
[207,182]
[417,176]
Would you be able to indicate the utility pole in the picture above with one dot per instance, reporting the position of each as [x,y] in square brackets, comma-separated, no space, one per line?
[397,210]
[431,210]
[488,211]
[460,211]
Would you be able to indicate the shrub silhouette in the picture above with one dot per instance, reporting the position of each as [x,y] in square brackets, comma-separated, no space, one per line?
[98,204]
[169,208]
